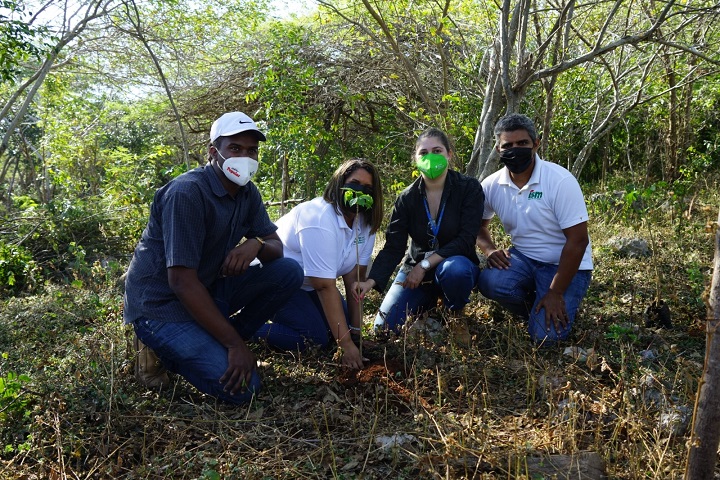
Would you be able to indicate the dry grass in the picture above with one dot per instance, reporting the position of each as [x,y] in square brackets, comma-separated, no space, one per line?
[475,412]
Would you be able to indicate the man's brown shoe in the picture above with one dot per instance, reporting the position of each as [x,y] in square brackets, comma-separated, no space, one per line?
[149,371]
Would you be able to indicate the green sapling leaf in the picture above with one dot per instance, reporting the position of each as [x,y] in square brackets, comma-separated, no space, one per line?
[353,198]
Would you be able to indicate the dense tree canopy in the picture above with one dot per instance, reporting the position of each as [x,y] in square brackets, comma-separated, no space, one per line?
[110,98]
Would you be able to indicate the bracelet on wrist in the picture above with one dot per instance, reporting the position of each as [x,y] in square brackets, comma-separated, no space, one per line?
[262,244]
[260,241]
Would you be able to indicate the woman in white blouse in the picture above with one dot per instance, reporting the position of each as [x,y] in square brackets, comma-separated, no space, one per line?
[329,239]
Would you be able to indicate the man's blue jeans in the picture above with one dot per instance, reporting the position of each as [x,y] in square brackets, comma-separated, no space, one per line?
[520,287]
[188,349]
[455,278]
[300,323]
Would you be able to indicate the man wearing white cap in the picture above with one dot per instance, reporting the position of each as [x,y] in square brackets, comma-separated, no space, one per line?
[193,292]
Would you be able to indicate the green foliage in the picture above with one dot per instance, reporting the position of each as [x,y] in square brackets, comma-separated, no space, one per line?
[130,182]
[622,333]
[19,41]
[90,192]
[15,408]
[24,202]
[17,269]
[210,474]
[190,38]
[700,161]
[633,204]
[62,234]
[11,394]
[353,198]
[283,79]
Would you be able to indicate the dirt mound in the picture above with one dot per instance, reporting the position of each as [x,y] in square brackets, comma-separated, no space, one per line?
[387,372]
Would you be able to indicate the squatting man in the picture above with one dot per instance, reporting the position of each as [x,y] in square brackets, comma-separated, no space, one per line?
[544,276]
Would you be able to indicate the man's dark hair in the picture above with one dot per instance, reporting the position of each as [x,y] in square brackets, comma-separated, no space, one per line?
[217,144]
[516,121]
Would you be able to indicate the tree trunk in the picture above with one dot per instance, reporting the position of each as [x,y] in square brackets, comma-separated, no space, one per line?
[702,455]
[20,114]
[482,159]
[549,87]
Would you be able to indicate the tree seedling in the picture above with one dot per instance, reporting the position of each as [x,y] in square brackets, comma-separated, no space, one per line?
[358,200]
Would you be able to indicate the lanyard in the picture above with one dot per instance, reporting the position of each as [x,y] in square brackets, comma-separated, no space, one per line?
[434,226]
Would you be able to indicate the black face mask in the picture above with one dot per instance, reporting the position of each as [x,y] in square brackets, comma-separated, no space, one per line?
[517,159]
[356,187]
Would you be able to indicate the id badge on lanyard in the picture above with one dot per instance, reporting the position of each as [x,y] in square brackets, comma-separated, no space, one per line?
[433,226]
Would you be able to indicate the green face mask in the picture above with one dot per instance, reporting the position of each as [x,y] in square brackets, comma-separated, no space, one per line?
[432,164]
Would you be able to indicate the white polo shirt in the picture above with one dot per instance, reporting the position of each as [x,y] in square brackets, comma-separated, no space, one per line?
[319,239]
[534,216]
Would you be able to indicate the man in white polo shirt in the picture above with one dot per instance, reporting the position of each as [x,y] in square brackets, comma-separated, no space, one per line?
[544,276]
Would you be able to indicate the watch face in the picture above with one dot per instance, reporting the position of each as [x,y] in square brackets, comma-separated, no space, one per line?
[425,264]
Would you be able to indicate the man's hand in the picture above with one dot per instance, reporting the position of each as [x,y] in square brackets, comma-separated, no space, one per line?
[241,363]
[555,313]
[239,258]
[499,259]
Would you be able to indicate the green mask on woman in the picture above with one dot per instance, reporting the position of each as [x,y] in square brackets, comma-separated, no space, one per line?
[432,165]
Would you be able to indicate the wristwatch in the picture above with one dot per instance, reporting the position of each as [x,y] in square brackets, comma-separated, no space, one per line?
[425,264]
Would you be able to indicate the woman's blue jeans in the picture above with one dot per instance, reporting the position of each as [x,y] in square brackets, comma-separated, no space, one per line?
[300,323]
[189,350]
[520,287]
[455,277]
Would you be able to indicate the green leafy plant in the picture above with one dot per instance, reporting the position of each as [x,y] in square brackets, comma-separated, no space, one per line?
[21,40]
[11,386]
[622,333]
[358,200]
[17,268]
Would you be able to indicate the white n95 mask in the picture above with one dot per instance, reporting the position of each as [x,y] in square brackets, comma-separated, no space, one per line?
[239,170]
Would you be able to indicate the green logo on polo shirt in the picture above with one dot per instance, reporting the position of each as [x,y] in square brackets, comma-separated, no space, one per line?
[534,195]
[360,240]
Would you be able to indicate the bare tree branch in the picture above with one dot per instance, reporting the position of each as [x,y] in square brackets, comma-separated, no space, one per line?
[134,18]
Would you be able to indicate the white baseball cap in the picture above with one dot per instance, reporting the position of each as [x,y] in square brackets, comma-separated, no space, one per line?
[233,123]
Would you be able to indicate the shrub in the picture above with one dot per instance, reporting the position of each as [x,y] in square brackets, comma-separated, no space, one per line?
[17,269]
